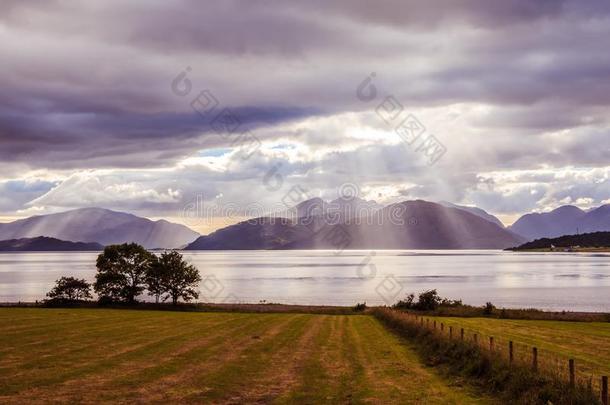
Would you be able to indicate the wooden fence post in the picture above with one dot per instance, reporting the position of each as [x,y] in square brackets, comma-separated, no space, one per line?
[427,323]
[476,339]
[462,333]
[511,353]
[435,325]
[605,390]
[572,373]
[450,332]
[491,344]
[535,358]
[442,327]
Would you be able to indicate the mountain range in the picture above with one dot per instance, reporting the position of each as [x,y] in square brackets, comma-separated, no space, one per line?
[566,220]
[407,225]
[315,224]
[101,226]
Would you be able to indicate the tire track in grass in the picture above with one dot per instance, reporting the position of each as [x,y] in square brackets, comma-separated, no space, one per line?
[190,380]
[336,373]
[364,391]
[234,377]
[354,383]
[283,367]
[308,382]
[126,387]
[155,382]
[372,352]
[328,375]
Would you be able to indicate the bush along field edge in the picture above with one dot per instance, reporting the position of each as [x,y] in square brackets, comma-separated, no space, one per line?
[516,379]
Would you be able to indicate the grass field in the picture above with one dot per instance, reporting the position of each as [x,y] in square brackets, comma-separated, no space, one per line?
[97,355]
[588,343]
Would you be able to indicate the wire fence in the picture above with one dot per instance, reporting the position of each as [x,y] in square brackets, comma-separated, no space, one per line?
[577,374]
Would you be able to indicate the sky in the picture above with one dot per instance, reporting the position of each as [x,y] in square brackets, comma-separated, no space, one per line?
[205,113]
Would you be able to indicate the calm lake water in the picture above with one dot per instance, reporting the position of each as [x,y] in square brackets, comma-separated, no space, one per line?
[558,281]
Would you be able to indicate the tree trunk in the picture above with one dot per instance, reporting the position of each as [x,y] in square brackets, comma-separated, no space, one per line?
[175,299]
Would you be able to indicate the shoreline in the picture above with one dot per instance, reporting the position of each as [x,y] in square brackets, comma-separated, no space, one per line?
[585,250]
[459,312]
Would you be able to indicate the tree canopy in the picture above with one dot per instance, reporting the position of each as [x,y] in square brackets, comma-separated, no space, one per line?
[173,276]
[121,272]
[70,289]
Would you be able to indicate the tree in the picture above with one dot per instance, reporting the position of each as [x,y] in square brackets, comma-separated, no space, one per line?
[70,289]
[153,279]
[173,276]
[407,303]
[121,272]
[428,301]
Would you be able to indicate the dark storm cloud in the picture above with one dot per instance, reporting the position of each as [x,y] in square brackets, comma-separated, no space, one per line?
[432,13]
[131,139]
[87,86]
[283,58]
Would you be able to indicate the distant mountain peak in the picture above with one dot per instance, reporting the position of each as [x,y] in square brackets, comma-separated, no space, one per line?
[405,225]
[100,225]
[345,200]
[564,220]
[476,211]
[567,209]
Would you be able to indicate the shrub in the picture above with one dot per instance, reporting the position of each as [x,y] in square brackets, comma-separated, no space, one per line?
[407,303]
[427,301]
[451,303]
[360,307]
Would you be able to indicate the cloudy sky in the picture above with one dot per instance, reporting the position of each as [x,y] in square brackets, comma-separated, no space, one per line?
[163,107]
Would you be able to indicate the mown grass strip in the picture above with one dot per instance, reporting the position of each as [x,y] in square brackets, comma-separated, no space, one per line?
[167,373]
[124,356]
[238,373]
[109,354]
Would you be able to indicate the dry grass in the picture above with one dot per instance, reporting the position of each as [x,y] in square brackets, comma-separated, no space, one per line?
[124,356]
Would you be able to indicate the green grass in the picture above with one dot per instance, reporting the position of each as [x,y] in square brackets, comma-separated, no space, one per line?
[588,343]
[125,356]
[491,370]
